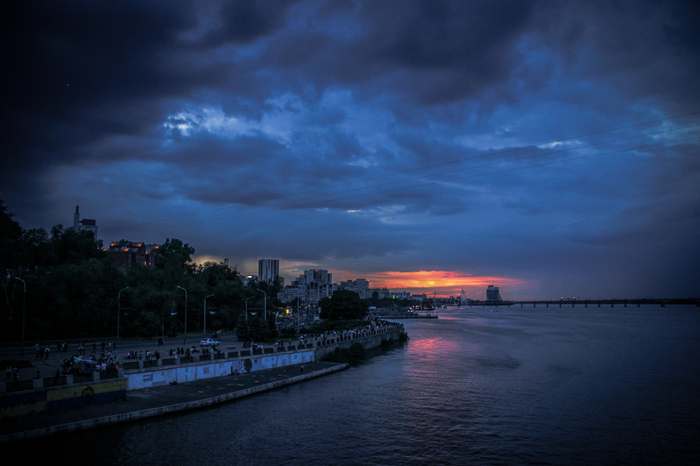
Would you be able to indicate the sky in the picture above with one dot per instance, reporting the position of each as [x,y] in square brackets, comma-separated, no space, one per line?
[546,147]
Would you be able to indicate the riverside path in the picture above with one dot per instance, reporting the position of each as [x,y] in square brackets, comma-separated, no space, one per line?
[140,404]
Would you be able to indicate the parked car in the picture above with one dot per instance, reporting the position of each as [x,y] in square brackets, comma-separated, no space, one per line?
[82,366]
[209,342]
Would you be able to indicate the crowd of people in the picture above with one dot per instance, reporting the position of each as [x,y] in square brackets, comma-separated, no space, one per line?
[104,354]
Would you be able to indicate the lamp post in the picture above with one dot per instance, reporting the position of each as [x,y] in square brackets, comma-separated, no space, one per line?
[185,342]
[264,304]
[246,308]
[24,307]
[119,308]
[205,312]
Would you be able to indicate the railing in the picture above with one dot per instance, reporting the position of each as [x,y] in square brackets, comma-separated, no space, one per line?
[55,381]
[19,385]
[82,378]
[109,374]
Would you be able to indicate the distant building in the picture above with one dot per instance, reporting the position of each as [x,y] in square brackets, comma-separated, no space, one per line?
[381,293]
[359,286]
[401,295]
[268,270]
[310,287]
[493,294]
[85,224]
[126,253]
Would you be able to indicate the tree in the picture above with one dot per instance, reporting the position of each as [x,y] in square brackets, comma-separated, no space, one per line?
[255,329]
[10,233]
[174,253]
[175,260]
[343,305]
[70,246]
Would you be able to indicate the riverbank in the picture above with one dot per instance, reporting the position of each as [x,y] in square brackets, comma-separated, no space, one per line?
[141,404]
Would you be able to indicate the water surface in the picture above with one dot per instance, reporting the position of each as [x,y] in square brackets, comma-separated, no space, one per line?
[517,386]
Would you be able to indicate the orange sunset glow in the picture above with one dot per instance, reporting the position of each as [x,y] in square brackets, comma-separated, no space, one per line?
[443,282]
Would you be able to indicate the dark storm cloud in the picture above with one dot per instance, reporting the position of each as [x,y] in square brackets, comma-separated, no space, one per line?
[648,48]
[77,72]
[243,22]
[432,52]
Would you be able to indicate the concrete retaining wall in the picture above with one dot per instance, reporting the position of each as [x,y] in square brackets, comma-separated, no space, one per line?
[163,375]
[372,340]
[63,397]
[141,414]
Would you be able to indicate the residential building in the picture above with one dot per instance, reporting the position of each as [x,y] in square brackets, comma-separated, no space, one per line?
[268,270]
[126,253]
[359,286]
[311,287]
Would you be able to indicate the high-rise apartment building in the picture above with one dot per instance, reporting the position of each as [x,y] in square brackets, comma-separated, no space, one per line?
[310,287]
[268,270]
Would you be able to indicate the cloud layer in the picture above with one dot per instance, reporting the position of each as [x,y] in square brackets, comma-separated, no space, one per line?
[466,138]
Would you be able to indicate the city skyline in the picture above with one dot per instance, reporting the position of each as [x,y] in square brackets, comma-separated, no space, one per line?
[549,149]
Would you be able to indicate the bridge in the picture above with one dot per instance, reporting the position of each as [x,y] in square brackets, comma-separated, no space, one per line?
[587,303]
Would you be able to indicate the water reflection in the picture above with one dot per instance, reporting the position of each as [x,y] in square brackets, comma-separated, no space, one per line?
[580,386]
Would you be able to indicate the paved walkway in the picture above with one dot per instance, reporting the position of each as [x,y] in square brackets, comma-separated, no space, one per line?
[47,367]
[140,404]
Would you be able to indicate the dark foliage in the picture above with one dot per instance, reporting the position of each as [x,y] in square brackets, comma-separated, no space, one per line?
[343,305]
[74,288]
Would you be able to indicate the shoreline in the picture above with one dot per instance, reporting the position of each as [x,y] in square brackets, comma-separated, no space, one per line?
[175,398]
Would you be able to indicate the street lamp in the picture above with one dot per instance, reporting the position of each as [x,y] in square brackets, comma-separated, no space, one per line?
[264,303]
[205,312]
[119,308]
[185,342]
[246,308]
[24,307]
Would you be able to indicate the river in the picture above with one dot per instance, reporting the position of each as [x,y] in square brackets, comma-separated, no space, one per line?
[518,386]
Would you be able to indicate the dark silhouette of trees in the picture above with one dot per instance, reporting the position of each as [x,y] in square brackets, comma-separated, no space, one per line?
[73,287]
[343,305]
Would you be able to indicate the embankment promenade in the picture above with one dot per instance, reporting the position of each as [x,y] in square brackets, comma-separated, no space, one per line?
[46,406]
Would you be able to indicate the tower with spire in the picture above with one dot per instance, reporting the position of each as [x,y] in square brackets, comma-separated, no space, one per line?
[86,224]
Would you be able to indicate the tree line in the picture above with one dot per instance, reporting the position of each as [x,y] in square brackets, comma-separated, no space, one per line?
[74,289]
